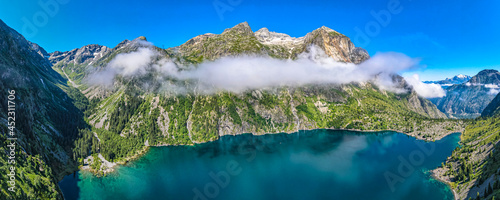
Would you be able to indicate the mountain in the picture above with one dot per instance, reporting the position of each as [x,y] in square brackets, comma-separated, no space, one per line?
[493,108]
[487,76]
[127,118]
[473,169]
[458,79]
[467,100]
[46,119]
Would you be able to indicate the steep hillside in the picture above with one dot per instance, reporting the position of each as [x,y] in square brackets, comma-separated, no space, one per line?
[467,100]
[473,170]
[493,109]
[241,40]
[46,120]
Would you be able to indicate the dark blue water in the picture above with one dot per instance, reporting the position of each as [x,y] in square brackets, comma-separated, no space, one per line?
[318,164]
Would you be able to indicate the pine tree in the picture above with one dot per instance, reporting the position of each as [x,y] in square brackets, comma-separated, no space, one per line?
[490,189]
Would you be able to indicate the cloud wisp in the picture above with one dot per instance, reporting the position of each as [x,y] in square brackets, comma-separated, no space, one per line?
[431,90]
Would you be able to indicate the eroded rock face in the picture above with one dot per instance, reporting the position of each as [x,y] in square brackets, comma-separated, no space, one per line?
[49,120]
[336,45]
[469,99]
[487,76]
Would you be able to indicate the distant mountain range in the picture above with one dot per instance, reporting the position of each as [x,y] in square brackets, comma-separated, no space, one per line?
[469,98]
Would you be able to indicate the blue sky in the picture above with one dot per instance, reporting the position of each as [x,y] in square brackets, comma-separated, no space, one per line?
[450,37]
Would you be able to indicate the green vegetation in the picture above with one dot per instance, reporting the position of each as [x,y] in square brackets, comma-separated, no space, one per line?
[34,178]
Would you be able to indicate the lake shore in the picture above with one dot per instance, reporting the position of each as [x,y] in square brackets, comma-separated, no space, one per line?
[314,143]
[421,135]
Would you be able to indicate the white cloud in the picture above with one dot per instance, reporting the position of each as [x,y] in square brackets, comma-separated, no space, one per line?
[492,86]
[134,62]
[425,90]
[240,73]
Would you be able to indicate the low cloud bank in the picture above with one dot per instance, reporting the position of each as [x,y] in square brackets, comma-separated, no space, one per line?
[493,89]
[241,73]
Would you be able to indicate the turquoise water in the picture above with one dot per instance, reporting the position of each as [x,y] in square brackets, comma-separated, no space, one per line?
[318,164]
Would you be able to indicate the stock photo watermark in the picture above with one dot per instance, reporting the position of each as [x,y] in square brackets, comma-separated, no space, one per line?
[222,179]
[11,141]
[223,6]
[49,9]
[407,164]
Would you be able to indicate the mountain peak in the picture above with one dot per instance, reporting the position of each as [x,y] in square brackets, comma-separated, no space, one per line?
[487,71]
[487,76]
[262,30]
[268,37]
[85,54]
[461,76]
[141,38]
[326,28]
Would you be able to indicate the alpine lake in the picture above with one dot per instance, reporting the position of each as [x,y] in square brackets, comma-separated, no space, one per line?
[316,164]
